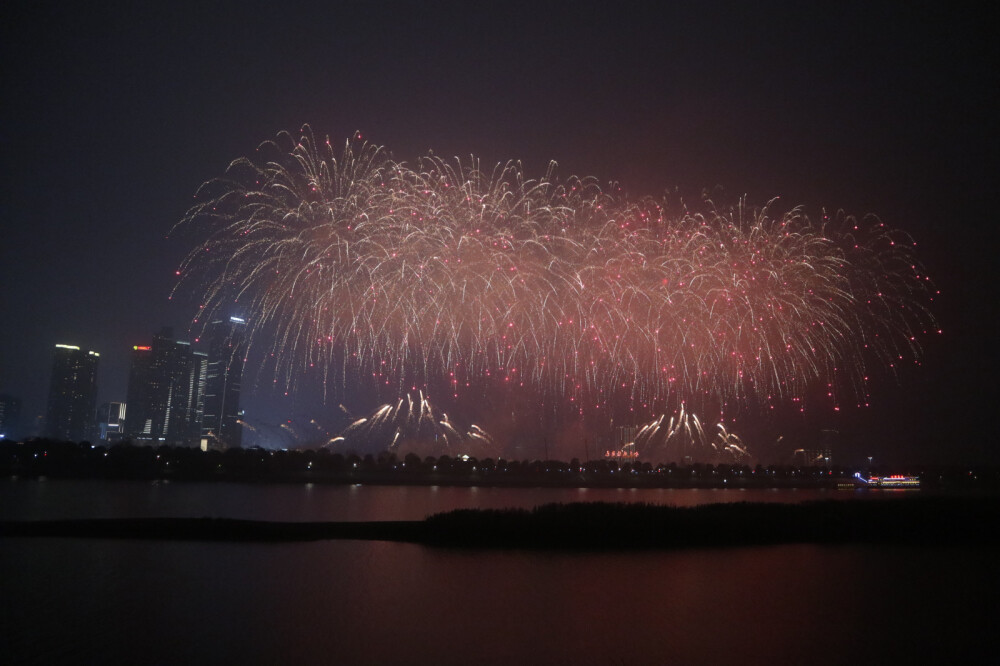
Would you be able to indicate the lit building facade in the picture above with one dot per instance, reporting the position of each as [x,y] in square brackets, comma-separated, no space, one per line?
[165,392]
[111,422]
[140,394]
[221,426]
[72,394]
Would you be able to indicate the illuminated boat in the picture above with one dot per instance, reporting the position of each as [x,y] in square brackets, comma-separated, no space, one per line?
[891,482]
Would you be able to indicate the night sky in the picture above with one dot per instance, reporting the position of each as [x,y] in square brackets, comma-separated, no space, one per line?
[113,115]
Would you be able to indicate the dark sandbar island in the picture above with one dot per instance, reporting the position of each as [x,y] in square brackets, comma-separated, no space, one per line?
[924,521]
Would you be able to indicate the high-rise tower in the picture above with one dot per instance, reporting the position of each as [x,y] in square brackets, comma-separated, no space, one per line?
[227,348]
[72,394]
[139,398]
[165,392]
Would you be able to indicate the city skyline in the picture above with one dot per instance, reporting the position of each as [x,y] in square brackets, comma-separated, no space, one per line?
[164,402]
[176,396]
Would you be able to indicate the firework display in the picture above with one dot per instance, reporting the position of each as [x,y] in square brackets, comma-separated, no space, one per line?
[441,275]
[411,423]
[683,434]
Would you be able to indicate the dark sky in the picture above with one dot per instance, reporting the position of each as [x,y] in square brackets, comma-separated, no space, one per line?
[113,114]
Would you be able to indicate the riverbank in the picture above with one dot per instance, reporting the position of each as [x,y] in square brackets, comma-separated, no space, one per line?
[67,460]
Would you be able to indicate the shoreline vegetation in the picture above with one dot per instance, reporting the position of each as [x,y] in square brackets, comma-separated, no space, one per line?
[913,520]
[69,460]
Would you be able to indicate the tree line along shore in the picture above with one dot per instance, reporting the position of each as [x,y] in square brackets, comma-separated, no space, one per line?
[54,459]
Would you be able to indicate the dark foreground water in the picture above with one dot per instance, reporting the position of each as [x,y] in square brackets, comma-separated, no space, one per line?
[354,602]
[29,499]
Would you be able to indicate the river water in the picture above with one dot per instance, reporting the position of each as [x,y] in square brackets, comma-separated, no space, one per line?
[66,499]
[356,602]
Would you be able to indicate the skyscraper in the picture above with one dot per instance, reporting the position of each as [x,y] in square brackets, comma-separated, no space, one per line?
[165,392]
[139,399]
[10,417]
[72,394]
[227,348]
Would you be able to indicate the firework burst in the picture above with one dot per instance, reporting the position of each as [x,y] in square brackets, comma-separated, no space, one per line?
[444,275]
[410,424]
[683,435]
